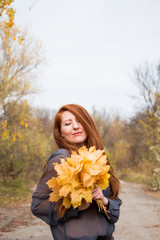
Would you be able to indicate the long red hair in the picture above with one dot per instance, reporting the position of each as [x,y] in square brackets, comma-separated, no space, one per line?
[93,139]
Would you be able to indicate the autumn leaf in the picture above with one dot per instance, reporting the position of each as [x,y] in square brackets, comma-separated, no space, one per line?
[77,176]
[66,202]
[54,197]
[78,194]
[65,190]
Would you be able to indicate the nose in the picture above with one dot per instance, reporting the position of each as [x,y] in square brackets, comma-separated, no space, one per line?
[75,125]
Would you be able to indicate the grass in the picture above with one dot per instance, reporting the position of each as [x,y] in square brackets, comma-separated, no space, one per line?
[140,174]
[13,191]
[133,176]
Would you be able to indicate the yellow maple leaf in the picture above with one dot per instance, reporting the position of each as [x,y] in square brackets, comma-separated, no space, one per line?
[87,179]
[54,197]
[103,182]
[52,183]
[67,202]
[81,193]
[65,190]
[77,176]
[92,168]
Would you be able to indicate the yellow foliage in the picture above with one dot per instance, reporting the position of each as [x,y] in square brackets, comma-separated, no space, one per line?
[22,123]
[6,134]
[77,176]
[8,50]
[14,136]
[20,39]
[4,124]
[4,131]
[5,8]
[25,102]
[27,86]
[20,136]
[6,25]
[121,153]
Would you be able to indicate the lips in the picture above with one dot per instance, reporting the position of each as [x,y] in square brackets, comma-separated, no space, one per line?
[77,133]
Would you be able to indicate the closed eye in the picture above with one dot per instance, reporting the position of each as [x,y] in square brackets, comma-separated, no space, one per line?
[67,124]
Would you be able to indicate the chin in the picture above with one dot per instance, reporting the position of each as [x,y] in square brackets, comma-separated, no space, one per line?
[79,144]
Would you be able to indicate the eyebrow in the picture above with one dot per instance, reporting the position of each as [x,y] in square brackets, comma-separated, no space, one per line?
[67,120]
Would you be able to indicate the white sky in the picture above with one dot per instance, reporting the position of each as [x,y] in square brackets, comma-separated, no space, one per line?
[91,47]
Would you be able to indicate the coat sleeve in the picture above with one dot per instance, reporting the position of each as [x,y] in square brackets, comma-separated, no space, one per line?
[113,207]
[41,207]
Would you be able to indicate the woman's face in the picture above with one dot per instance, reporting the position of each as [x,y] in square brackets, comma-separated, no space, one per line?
[71,129]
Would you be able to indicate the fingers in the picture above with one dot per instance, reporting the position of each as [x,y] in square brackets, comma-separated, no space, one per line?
[95,189]
[97,193]
[96,197]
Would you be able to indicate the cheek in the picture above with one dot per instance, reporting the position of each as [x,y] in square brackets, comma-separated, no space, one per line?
[65,132]
[86,136]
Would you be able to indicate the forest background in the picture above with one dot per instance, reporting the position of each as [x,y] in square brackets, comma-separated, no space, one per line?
[26,139]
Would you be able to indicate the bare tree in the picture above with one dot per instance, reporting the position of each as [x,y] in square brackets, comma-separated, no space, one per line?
[147,80]
[20,55]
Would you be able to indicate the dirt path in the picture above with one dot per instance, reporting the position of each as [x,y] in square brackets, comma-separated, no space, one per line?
[140,214]
[140,218]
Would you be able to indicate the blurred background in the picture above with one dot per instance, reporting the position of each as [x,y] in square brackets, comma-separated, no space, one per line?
[103,55]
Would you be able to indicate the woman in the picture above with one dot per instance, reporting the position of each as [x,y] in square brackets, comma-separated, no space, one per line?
[73,128]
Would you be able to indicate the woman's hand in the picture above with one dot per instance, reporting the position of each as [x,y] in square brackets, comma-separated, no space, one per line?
[98,194]
[84,205]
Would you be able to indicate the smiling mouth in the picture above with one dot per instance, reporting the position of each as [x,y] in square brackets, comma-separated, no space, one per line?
[77,133]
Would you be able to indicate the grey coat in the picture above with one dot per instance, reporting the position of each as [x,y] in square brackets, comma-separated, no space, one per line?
[78,225]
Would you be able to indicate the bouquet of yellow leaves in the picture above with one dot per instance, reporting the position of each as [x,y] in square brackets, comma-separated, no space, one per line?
[77,176]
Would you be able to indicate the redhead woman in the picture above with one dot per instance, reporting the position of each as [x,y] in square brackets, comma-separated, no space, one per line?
[74,128]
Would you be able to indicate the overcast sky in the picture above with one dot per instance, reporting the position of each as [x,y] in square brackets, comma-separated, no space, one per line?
[91,48]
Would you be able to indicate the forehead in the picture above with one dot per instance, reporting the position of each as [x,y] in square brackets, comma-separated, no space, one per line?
[67,115]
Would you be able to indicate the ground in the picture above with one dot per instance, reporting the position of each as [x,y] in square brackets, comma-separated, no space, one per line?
[139,218]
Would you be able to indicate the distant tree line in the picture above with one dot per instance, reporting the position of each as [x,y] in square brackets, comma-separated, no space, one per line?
[135,143]
[26,138]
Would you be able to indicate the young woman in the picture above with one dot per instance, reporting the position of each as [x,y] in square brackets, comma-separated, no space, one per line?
[73,128]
